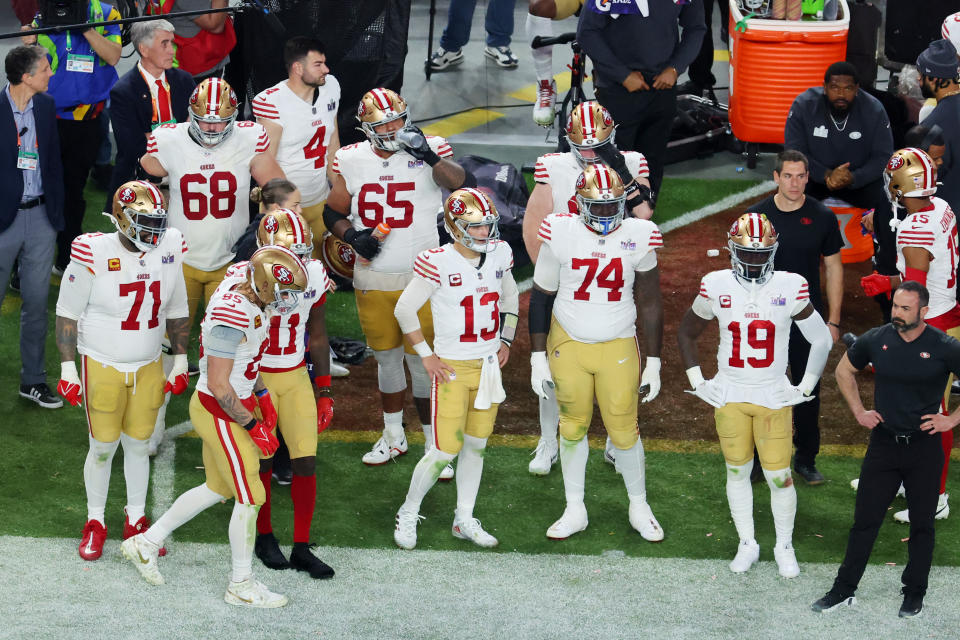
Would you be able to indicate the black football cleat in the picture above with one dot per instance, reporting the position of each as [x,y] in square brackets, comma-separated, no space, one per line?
[302,559]
[268,550]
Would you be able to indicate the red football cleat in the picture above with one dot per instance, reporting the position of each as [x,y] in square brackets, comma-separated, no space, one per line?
[130,530]
[92,539]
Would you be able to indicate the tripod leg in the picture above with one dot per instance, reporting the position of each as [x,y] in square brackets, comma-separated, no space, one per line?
[426,65]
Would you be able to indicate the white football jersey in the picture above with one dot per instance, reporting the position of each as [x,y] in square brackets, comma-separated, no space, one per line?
[466,302]
[307,130]
[560,171]
[209,188]
[232,309]
[286,338]
[129,299]
[594,300]
[400,191]
[755,325]
[933,229]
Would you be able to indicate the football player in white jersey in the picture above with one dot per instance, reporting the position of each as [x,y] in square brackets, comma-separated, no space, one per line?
[470,283]
[118,295]
[926,253]
[540,17]
[223,411]
[394,178]
[590,131]
[304,408]
[755,307]
[596,273]
[300,116]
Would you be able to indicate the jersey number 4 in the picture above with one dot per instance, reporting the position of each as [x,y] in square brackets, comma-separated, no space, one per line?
[219,199]
[138,290]
[610,277]
[315,150]
[469,330]
[764,344]
[371,211]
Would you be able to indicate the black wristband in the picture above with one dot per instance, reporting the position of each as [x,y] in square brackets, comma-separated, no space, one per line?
[250,425]
[331,216]
[431,157]
[541,308]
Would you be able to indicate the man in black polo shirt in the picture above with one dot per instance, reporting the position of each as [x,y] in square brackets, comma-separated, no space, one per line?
[807,231]
[911,362]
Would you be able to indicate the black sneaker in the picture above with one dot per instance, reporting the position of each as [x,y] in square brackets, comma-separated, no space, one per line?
[912,604]
[302,559]
[283,476]
[41,394]
[268,551]
[831,601]
[809,473]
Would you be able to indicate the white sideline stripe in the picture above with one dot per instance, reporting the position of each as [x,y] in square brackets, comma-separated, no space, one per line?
[690,217]
[389,593]
[163,468]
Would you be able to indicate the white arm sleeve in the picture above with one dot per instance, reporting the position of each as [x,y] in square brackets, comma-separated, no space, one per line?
[75,287]
[815,330]
[414,296]
[510,302]
[546,275]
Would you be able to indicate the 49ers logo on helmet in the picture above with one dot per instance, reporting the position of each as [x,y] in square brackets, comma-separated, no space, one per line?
[127,195]
[581,181]
[346,253]
[607,120]
[362,109]
[895,163]
[457,206]
[735,228]
[270,225]
[282,274]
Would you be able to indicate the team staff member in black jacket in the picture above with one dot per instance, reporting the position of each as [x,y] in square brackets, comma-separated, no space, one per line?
[912,362]
[638,51]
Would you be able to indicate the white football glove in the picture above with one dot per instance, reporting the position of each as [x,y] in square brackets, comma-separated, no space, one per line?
[790,395]
[651,377]
[540,373]
[706,390]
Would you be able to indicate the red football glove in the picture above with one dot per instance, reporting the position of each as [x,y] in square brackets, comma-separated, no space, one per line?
[264,438]
[178,378]
[324,413]
[267,409]
[875,284]
[69,385]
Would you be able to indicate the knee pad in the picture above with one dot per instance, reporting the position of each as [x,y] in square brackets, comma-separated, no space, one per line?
[306,466]
[390,376]
[739,473]
[132,446]
[419,379]
[779,479]
[103,451]
[471,443]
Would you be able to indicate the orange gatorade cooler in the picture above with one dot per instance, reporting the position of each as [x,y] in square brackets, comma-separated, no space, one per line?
[774,61]
[857,243]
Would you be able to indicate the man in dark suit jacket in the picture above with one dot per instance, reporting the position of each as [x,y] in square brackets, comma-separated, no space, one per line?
[138,104]
[31,205]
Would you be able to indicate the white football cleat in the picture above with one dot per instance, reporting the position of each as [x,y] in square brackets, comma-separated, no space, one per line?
[405,531]
[643,520]
[943,511]
[447,474]
[747,553]
[472,531]
[143,555]
[901,492]
[384,451]
[253,593]
[786,559]
[544,457]
[338,370]
[544,109]
[573,520]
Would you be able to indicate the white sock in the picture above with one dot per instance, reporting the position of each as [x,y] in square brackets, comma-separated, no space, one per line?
[573,464]
[549,417]
[783,503]
[542,57]
[469,470]
[631,464]
[393,425]
[160,426]
[740,497]
[427,437]
[136,472]
[96,476]
[424,476]
[183,510]
[243,532]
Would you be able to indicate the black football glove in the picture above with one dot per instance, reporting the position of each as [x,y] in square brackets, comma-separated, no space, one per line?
[413,141]
[612,157]
[362,242]
[637,194]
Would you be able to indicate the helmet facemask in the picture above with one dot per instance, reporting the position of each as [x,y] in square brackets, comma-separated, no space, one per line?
[212,102]
[470,208]
[378,107]
[145,230]
[278,277]
[602,216]
[480,245]
[752,242]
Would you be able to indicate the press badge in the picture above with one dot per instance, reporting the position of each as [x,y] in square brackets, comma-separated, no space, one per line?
[27,160]
[79,63]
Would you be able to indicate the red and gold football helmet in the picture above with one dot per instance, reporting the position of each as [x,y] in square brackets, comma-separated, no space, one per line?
[140,214]
[910,173]
[286,228]
[600,198]
[338,256]
[377,107]
[278,277]
[588,127]
[213,102]
[752,242]
[471,208]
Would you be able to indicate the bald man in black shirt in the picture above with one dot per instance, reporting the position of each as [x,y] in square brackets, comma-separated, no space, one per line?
[911,361]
